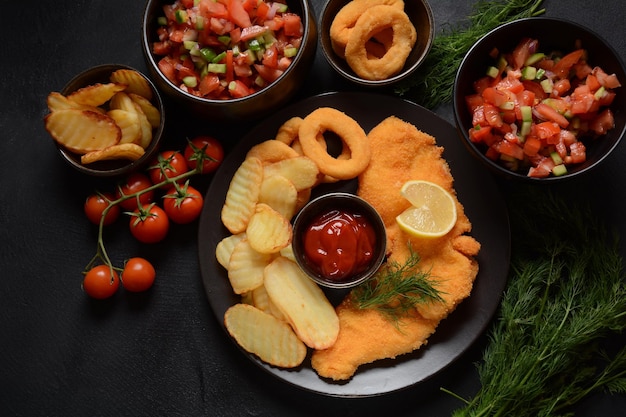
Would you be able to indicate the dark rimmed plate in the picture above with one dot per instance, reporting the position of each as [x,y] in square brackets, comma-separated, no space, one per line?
[477,191]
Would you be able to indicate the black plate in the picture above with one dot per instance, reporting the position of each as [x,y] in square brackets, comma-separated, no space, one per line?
[476,190]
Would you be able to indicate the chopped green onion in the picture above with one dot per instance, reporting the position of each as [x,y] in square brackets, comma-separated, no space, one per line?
[254,45]
[208,54]
[219,57]
[224,39]
[540,73]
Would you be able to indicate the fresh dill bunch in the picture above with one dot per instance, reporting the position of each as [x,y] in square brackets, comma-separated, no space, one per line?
[432,84]
[566,294]
[396,289]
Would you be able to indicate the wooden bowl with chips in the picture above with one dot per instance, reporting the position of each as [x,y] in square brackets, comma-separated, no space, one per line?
[368,61]
[107,121]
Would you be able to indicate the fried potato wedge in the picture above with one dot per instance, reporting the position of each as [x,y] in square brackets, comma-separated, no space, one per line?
[242,195]
[82,131]
[134,81]
[151,112]
[96,94]
[245,267]
[129,151]
[272,150]
[263,335]
[224,248]
[128,123]
[268,231]
[57,101]
[301,171]
[144,125]
[280,194]
[302,302]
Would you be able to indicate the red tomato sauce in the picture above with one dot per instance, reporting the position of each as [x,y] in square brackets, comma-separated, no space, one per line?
[532,110]
[224,49]
[339,244]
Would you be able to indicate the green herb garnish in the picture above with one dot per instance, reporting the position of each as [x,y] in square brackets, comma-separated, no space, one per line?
[396,289]
[566,294]
[433,82]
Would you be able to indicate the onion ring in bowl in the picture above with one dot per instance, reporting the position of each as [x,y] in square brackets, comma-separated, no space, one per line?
[372,21]
[347,17]
[349,131]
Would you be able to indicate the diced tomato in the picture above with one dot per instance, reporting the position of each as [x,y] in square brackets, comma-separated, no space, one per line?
[230,69]
[603,122]
[161,48]
[482,83]
[535,88]
[211,8]
[511,149]
[532,145]
[208,84]
[545,112]
[238,14]
[521,53]
[474,101]
[563,66]
[292,25]
[270,57]
[166,66]
[480,134]
[262,11]
[492,115]
[275,24]
[606,80]
[542,169]
[561,87]
[238,89]
[252,32]
[581,100]
[578,153]
[496,96]
[267,73]
[545,130]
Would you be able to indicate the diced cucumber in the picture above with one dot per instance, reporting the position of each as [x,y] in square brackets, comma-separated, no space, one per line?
[540,73]
[559,170]
[547,85]
[218,57]
[599,93]
[493,72]
[162,21]
[181,16]
[217,68]
[189,45]
[534,58]
[290,52]
[529,73]
[507,105]
[526,127]
[199,23]
[190,81]
[254,45]
[208,54]
[527,113]
[556,158]
[224,39]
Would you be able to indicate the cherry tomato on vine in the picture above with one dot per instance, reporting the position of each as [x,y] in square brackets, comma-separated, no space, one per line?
[213,153]
[95,205]
[183,204]
[99,283]
[135,182]
[172,163]
[149,224]
[138,275]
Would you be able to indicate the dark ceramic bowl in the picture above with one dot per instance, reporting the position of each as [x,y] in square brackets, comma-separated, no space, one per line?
[252,107]
[553,35]
[350,204]
[112,168]
[421,16]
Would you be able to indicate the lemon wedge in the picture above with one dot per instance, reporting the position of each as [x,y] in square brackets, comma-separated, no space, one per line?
[432,212]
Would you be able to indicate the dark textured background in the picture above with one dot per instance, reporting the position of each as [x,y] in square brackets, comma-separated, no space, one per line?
[164,353]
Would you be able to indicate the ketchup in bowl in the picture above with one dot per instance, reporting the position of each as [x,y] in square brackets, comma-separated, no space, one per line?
[339,240]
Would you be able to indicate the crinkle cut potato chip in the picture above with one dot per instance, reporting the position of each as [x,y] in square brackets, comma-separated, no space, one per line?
[301,171]
[128,123]
[57,101]
[96,94]
[303,303]
[242,195]
[82,131]
[224,248]
[268,231]
[129,151]
[246,267]
[280,194]
[152,113]
[263,335]
[134,81]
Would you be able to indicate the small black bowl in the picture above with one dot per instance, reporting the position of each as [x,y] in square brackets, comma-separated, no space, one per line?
[553,35]
[252,107]
[421,16]
[349,203]
[112,168]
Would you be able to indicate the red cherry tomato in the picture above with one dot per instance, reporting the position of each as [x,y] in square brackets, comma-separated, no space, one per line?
[150,224]
[99,283]
[172,163]
[183,204]
[95,205]
[138,275]
[207,150]
[134,183]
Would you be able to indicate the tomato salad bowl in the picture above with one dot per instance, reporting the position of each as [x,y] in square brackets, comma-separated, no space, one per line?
[229,61]
[540,100]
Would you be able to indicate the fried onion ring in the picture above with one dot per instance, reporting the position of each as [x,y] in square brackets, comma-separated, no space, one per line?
[349,131]
[376,20]
[347,17]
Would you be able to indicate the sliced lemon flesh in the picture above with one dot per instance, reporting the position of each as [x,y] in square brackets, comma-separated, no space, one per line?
[432,212]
